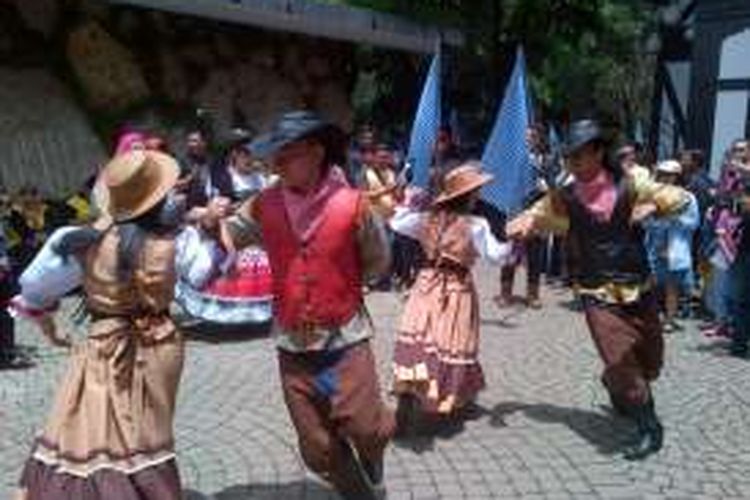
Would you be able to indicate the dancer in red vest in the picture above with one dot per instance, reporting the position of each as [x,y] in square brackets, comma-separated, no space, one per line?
[322,242]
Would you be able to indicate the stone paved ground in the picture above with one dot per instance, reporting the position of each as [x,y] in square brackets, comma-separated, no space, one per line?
[545,430]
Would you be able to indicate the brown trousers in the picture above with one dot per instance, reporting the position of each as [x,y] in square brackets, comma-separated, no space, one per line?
[630,343]
[333,397]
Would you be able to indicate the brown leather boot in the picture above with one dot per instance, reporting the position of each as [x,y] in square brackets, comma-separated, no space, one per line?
[505,299]
[532,296]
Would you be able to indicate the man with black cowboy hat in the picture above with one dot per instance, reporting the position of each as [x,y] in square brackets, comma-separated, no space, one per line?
[322,242]
[601,211]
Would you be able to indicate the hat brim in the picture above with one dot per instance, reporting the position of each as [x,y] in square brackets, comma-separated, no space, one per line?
[168,174]
[668,172]
[267,145]
[477,183]
[100,201]
[581,143]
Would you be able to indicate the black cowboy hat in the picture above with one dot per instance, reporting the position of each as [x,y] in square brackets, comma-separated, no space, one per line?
[581,133]
[295,126]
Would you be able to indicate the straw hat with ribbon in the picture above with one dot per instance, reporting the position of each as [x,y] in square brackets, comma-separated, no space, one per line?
[462,180]
[133,183]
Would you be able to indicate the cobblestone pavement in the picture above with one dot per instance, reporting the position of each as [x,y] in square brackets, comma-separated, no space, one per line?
[544,429]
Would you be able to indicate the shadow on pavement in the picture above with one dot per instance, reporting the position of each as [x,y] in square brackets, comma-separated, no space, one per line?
[510,317]
[573,305]
[302,489]
[501,322]
[609,433]
[428,430]
[17,365]
[24,358]
[719,347]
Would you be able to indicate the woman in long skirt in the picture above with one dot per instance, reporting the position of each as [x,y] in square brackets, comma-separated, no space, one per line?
[436,355]
[109,434]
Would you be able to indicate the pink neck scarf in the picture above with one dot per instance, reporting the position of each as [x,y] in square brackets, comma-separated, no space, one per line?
[306,210]
[598,195]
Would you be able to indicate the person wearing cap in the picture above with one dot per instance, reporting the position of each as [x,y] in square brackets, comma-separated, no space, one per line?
[435,362]
[323,242]
[668,241]
[109,434]
[601,213]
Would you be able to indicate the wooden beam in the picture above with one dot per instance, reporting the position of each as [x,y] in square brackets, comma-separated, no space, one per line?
[336,22]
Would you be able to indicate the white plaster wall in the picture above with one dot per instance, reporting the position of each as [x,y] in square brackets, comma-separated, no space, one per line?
[666,130]
[735,56]
[680,74]
[731,106]
[729,124]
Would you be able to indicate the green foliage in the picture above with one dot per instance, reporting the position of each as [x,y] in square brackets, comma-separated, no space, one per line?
[586,55]
[582,54]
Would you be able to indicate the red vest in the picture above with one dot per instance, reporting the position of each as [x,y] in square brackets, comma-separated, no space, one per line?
[317,282]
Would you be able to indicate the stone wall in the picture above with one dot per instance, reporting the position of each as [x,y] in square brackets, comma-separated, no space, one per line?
[45,139]
[124,66]
[240,76]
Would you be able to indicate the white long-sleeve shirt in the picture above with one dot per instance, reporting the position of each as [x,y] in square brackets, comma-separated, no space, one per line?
[50,276]
[409,222]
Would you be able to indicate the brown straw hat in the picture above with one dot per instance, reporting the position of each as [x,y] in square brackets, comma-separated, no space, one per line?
[462,180]
[135,182]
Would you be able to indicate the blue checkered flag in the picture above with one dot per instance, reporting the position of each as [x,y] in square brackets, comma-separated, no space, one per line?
[506,154]
[425,128]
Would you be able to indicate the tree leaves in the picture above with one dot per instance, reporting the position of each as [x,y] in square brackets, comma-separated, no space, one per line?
[583,55]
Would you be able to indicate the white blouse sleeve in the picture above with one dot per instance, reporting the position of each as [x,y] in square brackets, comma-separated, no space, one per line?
[47,279]
[485,243]
[197,259]
[407,221]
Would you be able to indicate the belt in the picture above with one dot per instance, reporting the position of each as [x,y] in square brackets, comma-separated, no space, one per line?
[131,317]
[307,331]
[447,265]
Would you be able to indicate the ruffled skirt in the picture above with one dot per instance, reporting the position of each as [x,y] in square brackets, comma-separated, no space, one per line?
[436,352]
[109,435]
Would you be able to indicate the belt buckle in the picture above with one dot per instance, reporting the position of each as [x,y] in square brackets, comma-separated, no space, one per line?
[308,330]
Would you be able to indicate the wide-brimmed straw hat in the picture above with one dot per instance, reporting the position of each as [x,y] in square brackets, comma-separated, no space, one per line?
[581,133]
[295,126]
[462,180]
[133,183]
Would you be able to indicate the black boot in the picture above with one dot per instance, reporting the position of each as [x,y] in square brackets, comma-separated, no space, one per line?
[407,416]
[359,483]
[650,432]
[618,406]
